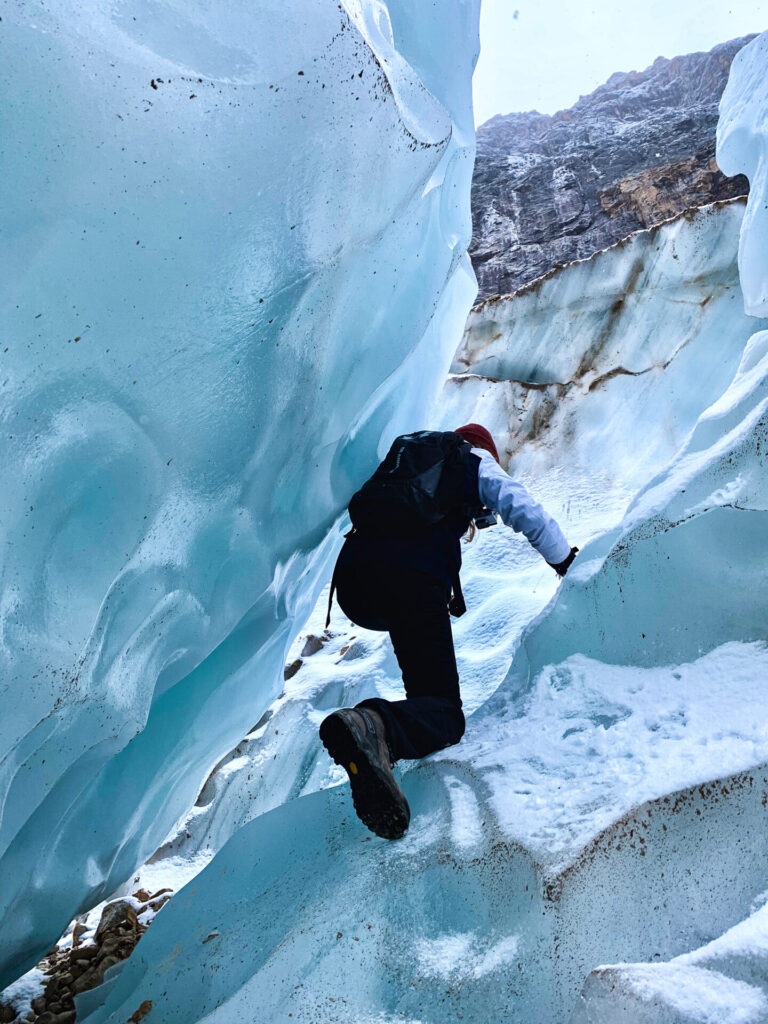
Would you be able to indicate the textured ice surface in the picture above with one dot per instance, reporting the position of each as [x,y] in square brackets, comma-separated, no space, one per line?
[574,807]
[456,920]
[724,982]
[594,318]
[238,237]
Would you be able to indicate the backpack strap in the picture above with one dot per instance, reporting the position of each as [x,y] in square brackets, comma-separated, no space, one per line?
[333,582]
[457,605]
[330,598]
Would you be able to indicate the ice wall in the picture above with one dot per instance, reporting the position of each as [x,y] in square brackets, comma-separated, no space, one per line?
[234,267]
[651,329]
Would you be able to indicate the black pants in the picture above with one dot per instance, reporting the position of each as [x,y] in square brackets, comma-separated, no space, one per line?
[413,607]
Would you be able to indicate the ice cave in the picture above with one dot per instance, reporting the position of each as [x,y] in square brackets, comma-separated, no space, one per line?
[235,252]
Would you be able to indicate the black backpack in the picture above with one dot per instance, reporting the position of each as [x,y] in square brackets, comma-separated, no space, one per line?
[416,486]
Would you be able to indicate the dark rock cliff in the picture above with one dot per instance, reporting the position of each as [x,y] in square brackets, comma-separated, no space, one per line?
[636,151]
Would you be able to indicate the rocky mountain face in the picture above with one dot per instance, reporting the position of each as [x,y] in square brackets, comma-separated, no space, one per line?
[638,150]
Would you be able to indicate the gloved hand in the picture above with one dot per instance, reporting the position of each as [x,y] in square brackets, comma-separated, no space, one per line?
[561,568]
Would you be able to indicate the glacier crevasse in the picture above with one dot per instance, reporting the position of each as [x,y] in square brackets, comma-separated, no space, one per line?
[606,801]
[684,318]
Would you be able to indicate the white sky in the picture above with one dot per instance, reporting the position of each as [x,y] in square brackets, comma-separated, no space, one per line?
[543,54]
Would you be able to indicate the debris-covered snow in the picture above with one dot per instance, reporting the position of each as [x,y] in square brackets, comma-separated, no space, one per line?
[20,993]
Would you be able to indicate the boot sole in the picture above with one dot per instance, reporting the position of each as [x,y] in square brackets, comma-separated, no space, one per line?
[379,802]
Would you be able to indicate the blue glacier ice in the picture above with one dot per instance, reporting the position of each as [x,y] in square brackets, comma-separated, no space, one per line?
[607,802]
[234,268]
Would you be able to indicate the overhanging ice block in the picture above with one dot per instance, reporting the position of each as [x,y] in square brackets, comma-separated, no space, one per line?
[235,267]
[742,148]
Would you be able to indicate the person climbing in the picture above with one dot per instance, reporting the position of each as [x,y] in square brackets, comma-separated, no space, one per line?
[398,571]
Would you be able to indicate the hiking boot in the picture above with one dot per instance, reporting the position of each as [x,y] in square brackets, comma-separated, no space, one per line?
[356,738]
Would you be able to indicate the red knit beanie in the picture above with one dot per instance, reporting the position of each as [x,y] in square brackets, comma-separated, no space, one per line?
[478,437]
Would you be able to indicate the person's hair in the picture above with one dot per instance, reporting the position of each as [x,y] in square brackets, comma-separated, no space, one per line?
[469,536]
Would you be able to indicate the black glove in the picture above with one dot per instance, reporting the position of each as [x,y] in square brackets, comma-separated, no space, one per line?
[561,568]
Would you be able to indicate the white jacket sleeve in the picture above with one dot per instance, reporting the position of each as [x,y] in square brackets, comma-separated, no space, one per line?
[500,493]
